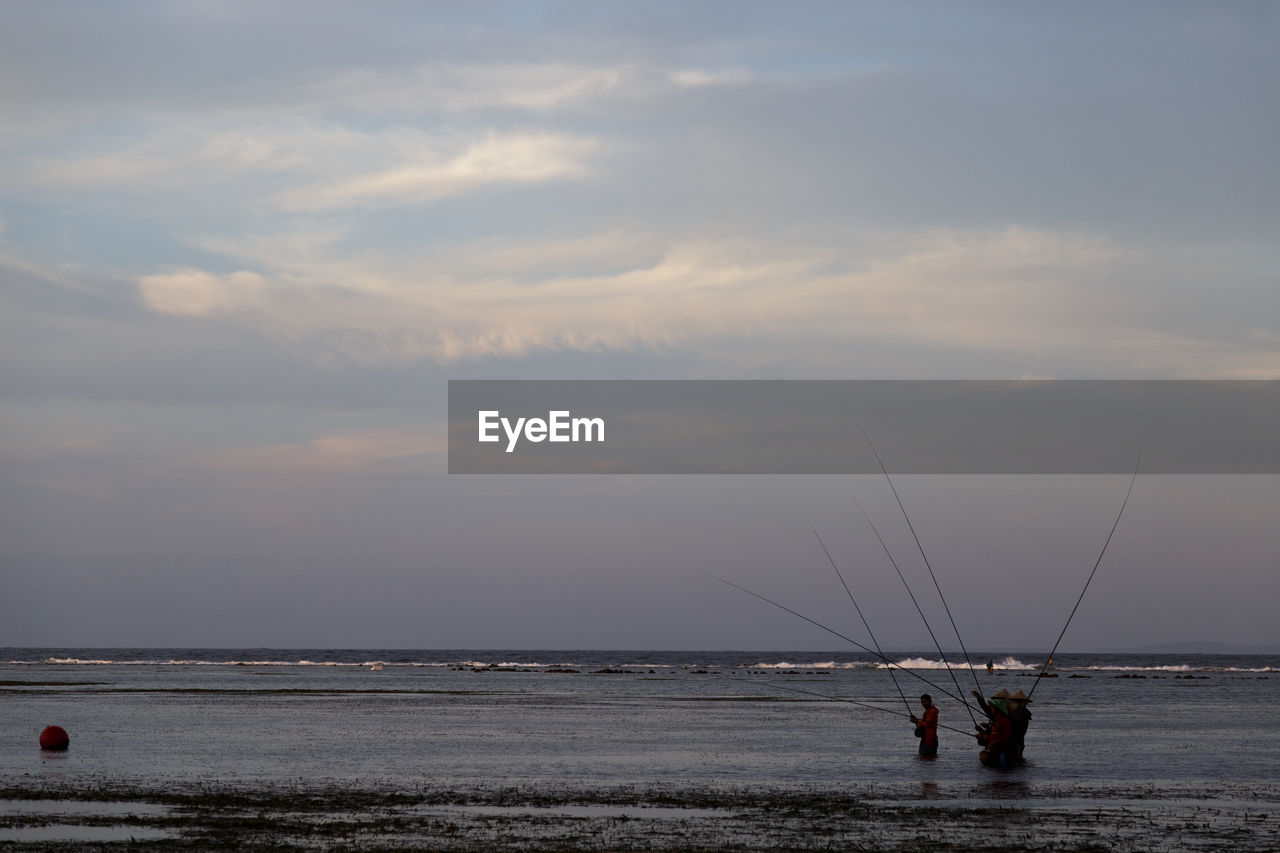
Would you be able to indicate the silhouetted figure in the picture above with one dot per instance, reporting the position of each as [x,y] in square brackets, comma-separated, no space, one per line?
[1019,718]
[927,727]
[1001,750]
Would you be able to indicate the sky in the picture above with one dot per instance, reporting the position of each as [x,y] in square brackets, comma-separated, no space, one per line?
[243,248]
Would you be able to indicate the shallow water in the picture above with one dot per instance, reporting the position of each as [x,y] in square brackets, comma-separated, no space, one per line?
[711,720]
[79,808]
[587,811]
[80,833]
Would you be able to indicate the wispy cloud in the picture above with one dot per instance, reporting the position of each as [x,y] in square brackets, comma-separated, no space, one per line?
[1014,290]
[432,174]
[456,87]
[196,155]
[324,167]
[195,293]
[692,78]
[531,87]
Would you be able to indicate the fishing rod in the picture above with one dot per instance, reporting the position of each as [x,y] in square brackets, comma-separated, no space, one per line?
[836,633]
[1097,563]
[919,610]
[912,528]
[874,642]
[849,701]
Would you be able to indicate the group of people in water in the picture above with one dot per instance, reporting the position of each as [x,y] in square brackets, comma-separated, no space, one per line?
[1002,736]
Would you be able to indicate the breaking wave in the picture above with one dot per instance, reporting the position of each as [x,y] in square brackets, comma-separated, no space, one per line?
[195,662]
[594,660]
[1006,663]
[1165,668]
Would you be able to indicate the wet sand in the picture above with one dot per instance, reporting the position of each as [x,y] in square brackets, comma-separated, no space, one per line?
[996,813]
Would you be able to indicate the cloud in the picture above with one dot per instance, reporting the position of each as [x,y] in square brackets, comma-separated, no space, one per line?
[194,293]
[432,174]
[457,87]
[306,166]
[1009,291]
[699,79]
[541,87]
[202,153]
[250,150]
[671,193]
[306,145]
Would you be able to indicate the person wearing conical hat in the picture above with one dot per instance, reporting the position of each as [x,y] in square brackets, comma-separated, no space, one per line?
[1001,751]
[1019,719]
[986,709]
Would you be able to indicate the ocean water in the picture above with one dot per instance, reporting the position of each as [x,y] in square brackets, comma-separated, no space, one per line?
[1187,730]
[466,716]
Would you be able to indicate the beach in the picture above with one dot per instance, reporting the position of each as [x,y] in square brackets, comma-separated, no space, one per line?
[593,750]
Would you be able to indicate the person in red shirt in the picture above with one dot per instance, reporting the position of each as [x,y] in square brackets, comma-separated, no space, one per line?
[929,723]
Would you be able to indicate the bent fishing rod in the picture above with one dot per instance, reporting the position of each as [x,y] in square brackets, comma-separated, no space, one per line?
[836,633]
[849,701]
[865,624]
[924,556]
[919,610]
[1096,563]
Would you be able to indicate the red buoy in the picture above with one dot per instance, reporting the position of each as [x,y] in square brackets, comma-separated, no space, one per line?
[54,737]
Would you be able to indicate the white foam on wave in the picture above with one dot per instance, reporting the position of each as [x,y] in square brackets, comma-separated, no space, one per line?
[926,663]
[480,664]
[92,662]
[1182,667]
[196,662]
[1006,663]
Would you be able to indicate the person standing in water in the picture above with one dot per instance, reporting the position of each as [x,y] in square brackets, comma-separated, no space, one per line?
[999,748]
[1019,719]
[928,721]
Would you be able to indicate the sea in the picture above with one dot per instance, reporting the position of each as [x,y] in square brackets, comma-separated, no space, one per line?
[1187,735]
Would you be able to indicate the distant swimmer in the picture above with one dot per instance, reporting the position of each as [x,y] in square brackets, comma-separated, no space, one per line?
[991,666]
[927,727]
